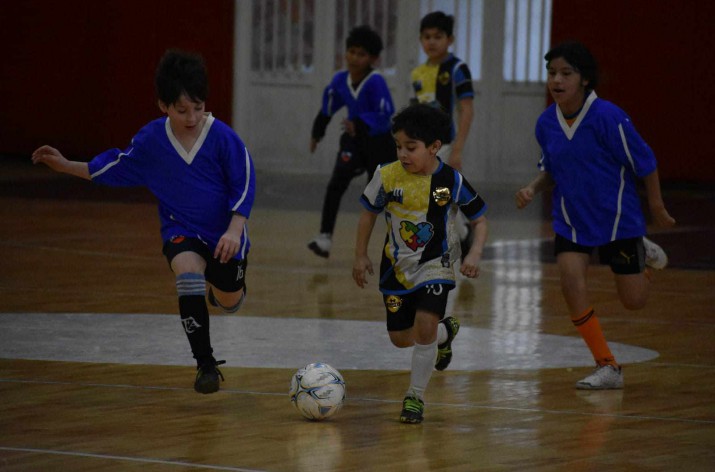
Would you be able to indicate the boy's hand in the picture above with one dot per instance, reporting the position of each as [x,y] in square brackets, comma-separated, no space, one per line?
[361,264]
[524,196]
[313,144]
[470,266]
[227,247]
[51,157]
[661,217]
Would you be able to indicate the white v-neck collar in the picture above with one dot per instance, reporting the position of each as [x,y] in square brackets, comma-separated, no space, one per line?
[569,131]
[188,157]
[356,92]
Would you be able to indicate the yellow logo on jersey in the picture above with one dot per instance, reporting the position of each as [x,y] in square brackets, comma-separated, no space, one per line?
[393,303]
[441,196]
[443,78]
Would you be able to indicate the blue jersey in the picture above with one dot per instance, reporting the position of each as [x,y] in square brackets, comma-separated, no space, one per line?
[198,191]
[595,163]
[417,207]
[370,101]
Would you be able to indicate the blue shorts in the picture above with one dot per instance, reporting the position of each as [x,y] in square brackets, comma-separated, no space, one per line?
[228,277]
[401,309]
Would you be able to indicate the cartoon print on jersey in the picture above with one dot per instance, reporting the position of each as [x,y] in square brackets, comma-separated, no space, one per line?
[441,196]
[393,303]
[345,156]
[416,235]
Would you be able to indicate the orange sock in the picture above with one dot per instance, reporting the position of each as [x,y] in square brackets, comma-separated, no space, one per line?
[590,330]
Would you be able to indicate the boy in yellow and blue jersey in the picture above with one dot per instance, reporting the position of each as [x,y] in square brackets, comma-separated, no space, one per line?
[416,272]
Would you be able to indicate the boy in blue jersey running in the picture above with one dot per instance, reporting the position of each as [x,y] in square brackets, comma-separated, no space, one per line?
[416,272]
[202,175]
[366,141]
[592,157]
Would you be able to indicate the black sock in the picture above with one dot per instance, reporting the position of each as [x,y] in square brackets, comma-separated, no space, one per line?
[195,314]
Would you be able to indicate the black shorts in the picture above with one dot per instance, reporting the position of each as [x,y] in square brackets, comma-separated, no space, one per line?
[228,277]
[625,256]
[401,309]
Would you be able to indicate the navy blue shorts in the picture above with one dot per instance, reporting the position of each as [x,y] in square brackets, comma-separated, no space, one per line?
[228,277]
[401,309]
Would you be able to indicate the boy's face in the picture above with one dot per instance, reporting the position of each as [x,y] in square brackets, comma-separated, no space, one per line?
[185,115]
[358,60]
[415,156]
[435,43]
[565,84]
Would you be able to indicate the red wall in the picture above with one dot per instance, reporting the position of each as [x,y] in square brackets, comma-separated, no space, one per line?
[79,74]
[657,62]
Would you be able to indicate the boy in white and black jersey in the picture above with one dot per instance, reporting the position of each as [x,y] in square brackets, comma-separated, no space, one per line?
[416,272]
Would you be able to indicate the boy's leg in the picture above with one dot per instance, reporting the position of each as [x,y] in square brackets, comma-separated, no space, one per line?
[628,259]
[573,267]
[228,284]
[424,353]
[347,166]
[189,265]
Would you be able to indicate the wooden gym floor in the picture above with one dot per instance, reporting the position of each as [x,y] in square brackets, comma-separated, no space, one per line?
[95,372]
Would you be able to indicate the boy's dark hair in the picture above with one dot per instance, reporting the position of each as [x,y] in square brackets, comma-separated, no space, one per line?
[439,20]
[424,123]
[181,72]
[366,38]
[579,57]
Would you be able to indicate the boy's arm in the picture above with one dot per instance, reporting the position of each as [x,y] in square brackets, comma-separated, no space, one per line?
[525,195]
[53,159]
[320,124]
[660,215]
[470,264]
[465,115]
[230,243]
[362,262]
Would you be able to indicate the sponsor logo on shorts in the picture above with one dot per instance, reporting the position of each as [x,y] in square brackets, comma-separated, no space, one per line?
[393,303]
[177,239]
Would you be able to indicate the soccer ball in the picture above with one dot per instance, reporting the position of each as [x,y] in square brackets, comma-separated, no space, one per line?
[317,391]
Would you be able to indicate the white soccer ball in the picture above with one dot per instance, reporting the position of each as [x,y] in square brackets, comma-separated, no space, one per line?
[317,391]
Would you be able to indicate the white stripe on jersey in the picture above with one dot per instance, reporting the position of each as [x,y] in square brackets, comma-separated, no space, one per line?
[620,201]
[248,181]
[625,146]
[111,164]
[568,220]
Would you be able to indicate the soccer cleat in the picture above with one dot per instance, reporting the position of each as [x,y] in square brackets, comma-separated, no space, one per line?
[207,376]
[605,377]
[444,350]
[655,256]
[412,410]
[321,244]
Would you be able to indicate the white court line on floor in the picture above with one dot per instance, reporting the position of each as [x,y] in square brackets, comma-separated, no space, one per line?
[270,342]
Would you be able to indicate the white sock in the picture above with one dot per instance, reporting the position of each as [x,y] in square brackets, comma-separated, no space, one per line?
[442,334]
[423,357]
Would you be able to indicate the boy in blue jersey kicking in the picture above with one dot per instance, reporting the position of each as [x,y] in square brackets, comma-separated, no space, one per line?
[591,155]
[202,175]
[416,272]
[366,141]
